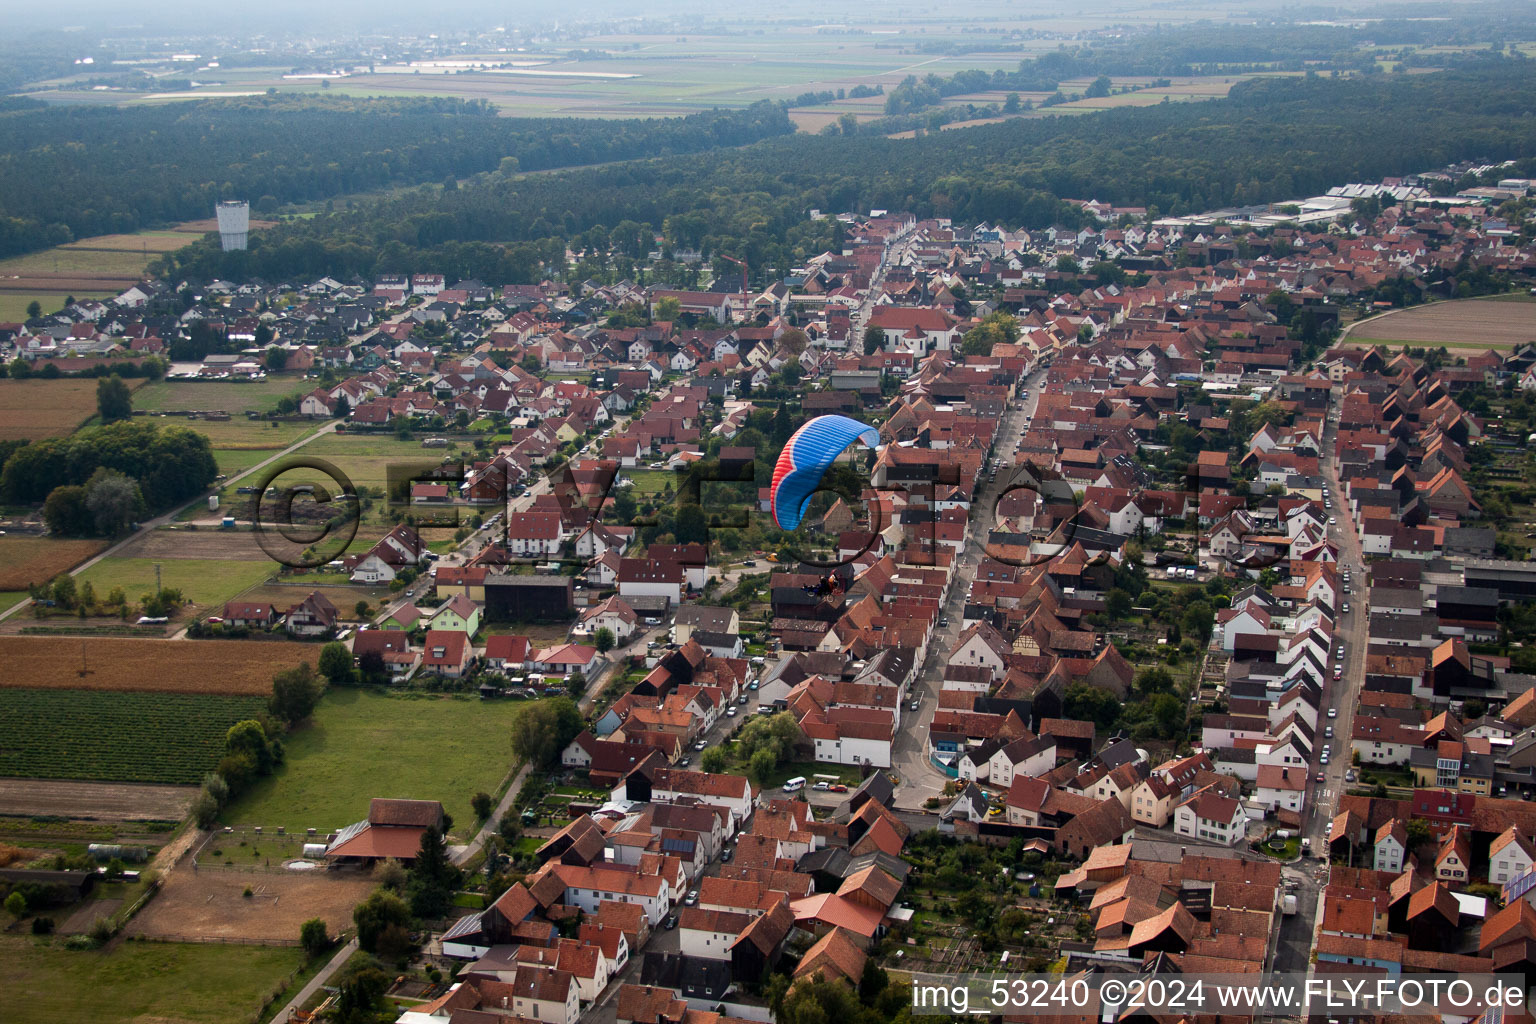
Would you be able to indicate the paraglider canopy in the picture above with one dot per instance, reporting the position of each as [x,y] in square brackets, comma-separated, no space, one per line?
[805,459]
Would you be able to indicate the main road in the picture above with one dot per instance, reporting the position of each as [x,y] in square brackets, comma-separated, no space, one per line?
[920,779]
[1340,699]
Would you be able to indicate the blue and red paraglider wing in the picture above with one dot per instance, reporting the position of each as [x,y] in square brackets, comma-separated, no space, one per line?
[805,459]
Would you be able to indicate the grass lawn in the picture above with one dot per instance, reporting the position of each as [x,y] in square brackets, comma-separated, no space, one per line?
[364,744]
[651,481]
[141,981]
[11,599]
[204,581]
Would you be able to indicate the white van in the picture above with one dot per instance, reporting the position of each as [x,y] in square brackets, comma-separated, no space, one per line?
[795,784]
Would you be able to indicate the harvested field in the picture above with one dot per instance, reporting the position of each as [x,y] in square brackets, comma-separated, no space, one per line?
[202,227]
[228,667]
[25,560]
[215,544]
[143,242]
[94,801]
[210,904]
[35,408]
[1476,324]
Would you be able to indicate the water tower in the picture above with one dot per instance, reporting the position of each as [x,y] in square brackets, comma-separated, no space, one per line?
[234,222]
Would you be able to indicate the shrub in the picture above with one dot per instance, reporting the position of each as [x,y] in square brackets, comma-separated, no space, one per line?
[247,894]
[101,932]
[42,926]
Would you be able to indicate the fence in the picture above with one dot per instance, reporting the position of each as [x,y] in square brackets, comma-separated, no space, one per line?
[218,940]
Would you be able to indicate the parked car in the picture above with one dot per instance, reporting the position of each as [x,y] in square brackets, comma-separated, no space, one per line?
[838,787]
[700,745]
[671,922]
[1333,712]
[730,712]
[823,786]
[692,899]
[1321,778]
[727,854]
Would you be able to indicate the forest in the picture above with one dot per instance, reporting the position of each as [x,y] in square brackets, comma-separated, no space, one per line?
[1271,139]
[71,172]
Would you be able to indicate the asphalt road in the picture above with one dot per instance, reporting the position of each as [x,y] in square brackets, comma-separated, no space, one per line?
[920,780]
[1340,697]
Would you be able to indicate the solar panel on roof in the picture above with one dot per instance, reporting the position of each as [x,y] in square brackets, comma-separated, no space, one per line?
[1518,887]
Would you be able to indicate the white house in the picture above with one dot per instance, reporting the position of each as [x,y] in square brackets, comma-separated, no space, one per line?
[1029,757]
[1210,816]
[1390,849]
[1510,855]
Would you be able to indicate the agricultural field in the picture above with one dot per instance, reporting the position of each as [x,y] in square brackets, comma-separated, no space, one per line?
[361,744]
[36,408]
[205,582]
[198,544]
[1472,324]
[119,737]
[141,982]
[211,904]
[366,458]
[94,800]
[234,397]
[218,667]
[27,559]
[87,268]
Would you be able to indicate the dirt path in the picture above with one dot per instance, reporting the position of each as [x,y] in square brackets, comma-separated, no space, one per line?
[171,853]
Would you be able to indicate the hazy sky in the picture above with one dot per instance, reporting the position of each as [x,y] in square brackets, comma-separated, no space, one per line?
[169,16]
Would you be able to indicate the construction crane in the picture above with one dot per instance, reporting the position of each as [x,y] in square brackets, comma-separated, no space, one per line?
[740,263]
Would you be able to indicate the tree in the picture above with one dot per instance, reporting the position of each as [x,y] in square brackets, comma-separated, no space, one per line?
[668,309]
[483,804]
[336,662]
[1011,103]
[603,640]
[361,610]
[760,764]
[1098,88]
[34,309]
[1419,833]
[359,993]
[623,505]
[1091,704]
[379,911]
[874,339]
[275,358]
[1154,680]
[371,670]
[114,502]
[313,938]
[113,399]
[63,591]
[431,877]
[543,730]
[997,329]
[65,512]
[1117,604]
[342,408]
[249,739]
[714,760]
[16,903]
[295,692]
[692,526]
[1199,619]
